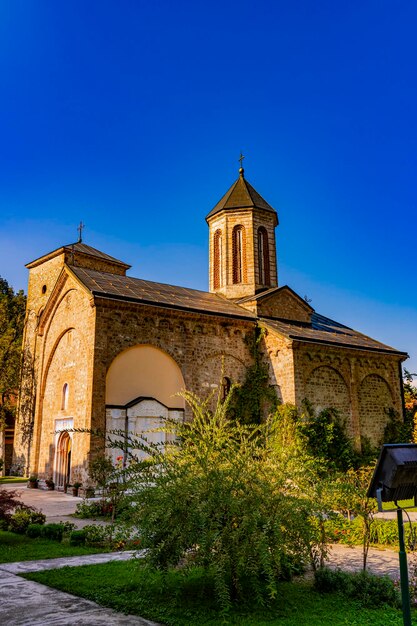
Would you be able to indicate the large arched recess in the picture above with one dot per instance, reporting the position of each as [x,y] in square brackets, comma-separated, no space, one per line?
[326,388]
[375,403]
[144,371]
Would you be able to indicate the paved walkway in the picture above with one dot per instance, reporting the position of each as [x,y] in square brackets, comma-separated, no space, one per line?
[381,562]
[56,505]
[26,603]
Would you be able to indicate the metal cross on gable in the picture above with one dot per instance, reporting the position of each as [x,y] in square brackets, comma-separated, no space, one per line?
[241,159]
[80,232]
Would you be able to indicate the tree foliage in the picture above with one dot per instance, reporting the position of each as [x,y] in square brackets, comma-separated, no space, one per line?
[235,499]
[410,403]
[12,316]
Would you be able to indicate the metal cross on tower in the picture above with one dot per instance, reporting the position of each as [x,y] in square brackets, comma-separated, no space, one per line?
[80,231]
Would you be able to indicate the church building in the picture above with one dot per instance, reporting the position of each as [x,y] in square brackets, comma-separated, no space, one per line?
[105,351]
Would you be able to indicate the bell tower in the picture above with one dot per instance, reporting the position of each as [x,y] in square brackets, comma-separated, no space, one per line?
[242,256]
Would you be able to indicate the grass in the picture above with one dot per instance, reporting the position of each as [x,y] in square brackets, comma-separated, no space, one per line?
[15,547]
[408,504]
[6,480]
[176,600]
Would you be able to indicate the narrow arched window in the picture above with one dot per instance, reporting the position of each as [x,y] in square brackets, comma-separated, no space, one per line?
[239,254]
[217,260]
[64,399]
[263,257]
[225,389]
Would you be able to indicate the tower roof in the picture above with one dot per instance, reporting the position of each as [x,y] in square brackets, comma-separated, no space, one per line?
[241,195]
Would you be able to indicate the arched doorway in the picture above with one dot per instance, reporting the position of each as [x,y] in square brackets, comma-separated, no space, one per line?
[142,387]
[63,461]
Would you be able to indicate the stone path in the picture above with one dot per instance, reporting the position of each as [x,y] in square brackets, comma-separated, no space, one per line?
[26,603]
[381,562]
[56,505]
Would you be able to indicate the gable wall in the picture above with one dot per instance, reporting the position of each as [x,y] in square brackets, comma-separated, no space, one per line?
[44,274]
[61,354]
[94,263]
[283,304]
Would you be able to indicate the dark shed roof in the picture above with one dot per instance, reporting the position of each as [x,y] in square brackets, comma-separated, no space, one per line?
[158,294]
[323,330]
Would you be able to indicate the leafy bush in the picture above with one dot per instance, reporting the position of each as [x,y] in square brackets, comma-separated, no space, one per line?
[86,510]
[53,531]
[34,530]
[382,532]
[109,536]
[77,537]
[97,535]
[20,520]
[9,502]
[370,590]
[37,517]
[326,437]
[228,497]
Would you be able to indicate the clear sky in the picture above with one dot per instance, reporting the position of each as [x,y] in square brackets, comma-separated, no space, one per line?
[131,115]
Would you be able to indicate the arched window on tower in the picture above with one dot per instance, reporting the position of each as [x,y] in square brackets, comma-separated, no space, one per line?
[218,260]
[64,399]
[239,254]
[263,257]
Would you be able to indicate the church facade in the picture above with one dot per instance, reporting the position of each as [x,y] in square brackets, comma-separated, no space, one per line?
[103,350]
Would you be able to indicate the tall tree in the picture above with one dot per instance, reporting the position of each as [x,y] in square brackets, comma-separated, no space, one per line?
[12,317]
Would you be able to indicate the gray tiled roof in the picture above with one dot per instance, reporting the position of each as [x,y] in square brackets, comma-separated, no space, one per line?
[158,294]
[323,330]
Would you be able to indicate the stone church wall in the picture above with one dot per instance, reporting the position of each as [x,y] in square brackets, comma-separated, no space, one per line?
[67,359]
[279,356]
[362,386]
[204,347]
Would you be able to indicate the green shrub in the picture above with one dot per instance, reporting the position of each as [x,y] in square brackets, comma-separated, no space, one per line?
[20,521]
[369,590]
[36,517]
[53,531]
[373,591]
[97,535]
[328,580]
[382,532]
[34,530]
[10,501]
[86,510]
[77,537]
[229,497]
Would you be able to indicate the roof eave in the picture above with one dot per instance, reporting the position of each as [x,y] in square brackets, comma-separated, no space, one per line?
[175,307]
[383,350]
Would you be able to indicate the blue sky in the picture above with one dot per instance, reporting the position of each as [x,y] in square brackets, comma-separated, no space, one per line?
[131,115]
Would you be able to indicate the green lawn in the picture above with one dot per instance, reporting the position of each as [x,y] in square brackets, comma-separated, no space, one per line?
[6,480]
[409,504]
[130,588]
[15,547]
